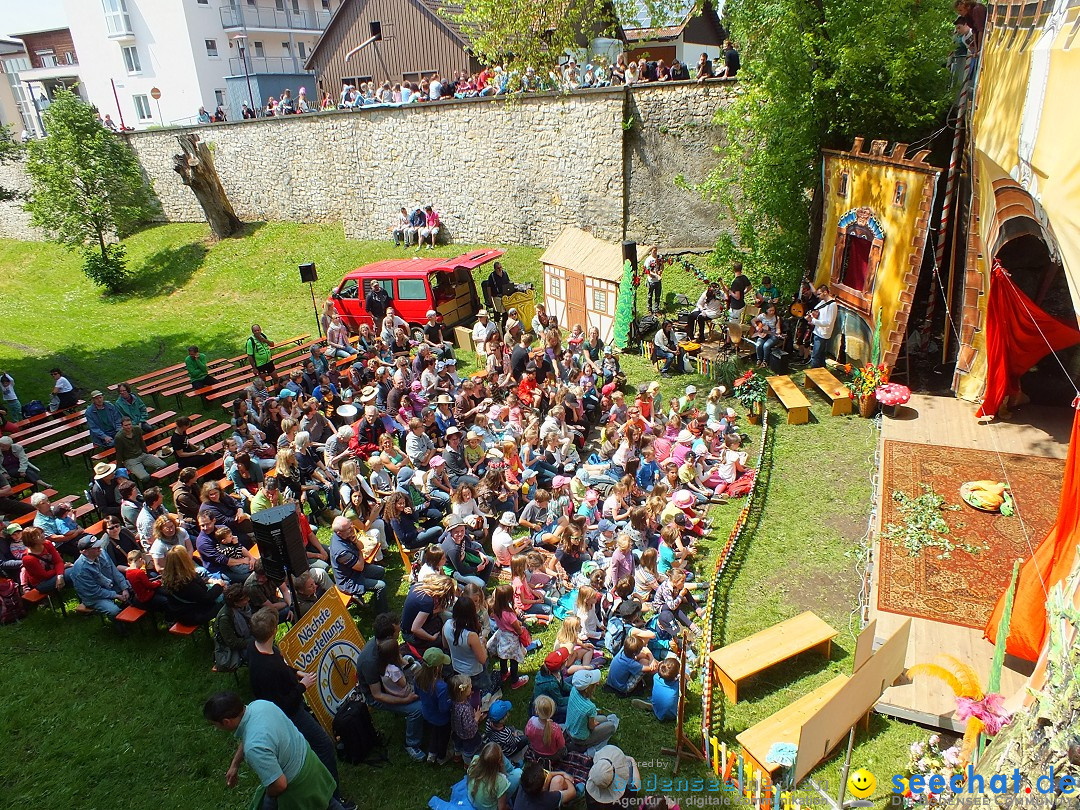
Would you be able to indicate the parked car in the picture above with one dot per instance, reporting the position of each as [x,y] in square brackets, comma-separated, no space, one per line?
[415,286]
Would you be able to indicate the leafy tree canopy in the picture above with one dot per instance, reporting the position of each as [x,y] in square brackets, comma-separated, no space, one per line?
[86,186]
[817,73]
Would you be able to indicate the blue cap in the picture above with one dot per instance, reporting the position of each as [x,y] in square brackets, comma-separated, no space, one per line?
[499,709]
[606,525]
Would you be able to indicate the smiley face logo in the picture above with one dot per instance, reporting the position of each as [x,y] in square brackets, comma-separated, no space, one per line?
[861,783]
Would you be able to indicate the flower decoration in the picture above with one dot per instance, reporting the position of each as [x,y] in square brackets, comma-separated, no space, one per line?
[867,379]
[750,389]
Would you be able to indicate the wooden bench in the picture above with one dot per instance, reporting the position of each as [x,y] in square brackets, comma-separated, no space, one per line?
[785,726]
[834,390]
[174,468]
[793,400]
[753,654]
[240,378]
[31,423]
[27,519]
[83,450]
[156,438]
[34,432]
[242,358]
[176,385]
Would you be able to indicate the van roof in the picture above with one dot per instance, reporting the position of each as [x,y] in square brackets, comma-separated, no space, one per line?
[397,268]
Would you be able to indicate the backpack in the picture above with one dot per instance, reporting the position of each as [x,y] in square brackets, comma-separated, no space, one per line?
[11,605]
[358,739]
[33,408]
[614,635]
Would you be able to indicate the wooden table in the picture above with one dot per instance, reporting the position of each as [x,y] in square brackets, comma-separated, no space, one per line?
[751,655]
[793,400]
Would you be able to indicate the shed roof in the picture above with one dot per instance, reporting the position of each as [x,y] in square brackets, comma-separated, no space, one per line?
[578,250]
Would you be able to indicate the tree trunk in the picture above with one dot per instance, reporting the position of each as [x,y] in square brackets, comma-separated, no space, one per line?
[197,171]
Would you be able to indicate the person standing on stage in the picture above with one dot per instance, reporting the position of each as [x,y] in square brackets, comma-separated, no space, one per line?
[823,318]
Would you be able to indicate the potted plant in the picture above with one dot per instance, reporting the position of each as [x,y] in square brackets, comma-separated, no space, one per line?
[750,390]
[863,384]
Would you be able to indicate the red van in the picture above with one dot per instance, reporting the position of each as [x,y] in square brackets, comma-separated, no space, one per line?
[415,285]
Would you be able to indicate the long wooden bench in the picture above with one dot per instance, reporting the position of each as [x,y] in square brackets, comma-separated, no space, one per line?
[239,378]
[31,433]
[242,358]
[176,384]
[766,648]
[157,438]
[793,400]
[172,469]
[835,391]
[30,423]
[150,375]
[84,449]
[75,423]
[786,725]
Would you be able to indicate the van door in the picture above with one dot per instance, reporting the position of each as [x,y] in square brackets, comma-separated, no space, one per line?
[348,303]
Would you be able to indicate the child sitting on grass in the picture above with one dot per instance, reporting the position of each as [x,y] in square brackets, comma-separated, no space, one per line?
[586,729]
[544,734]
[630,666]
[527,600]
[549,683]
[464,718]
[585,609]
[665,691]
[393,667]
[510,739]
[580,654]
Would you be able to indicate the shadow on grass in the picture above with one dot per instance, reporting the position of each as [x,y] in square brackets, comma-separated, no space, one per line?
[166,270]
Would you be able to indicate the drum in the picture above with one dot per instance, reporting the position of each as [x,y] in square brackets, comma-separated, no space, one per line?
[347,413]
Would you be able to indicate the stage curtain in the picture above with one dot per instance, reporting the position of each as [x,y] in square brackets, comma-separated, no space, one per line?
[1053,560]
[858,262]
[1017,334]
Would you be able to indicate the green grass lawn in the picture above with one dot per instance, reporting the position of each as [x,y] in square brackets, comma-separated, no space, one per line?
[101,721]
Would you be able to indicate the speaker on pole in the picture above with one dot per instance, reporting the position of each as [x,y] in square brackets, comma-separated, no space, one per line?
[281,547]
[629,251]
[308,274]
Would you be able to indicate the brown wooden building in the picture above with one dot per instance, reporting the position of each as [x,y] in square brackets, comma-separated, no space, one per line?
[408,39]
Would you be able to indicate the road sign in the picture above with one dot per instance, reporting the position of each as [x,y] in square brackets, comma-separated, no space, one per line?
[155,93]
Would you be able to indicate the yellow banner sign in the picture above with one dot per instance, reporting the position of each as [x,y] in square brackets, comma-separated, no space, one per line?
[525,303]
[325,641]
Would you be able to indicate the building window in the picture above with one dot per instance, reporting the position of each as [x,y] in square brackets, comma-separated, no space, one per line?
[70,58]
[203,2]
[287,47]
[47,58]
[843,189]
[219,98]
[599,300]
[142,107]
[258,46]
[900,195]
[326,5]
[555,287]
[302,48]
[211,48]
[131,59]
[116,17]
[279,5]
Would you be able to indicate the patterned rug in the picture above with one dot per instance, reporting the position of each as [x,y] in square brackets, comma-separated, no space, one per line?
[963,589]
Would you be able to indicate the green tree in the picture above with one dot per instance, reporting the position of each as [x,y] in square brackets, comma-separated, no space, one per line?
[816,74]
[10,151]
[86,188]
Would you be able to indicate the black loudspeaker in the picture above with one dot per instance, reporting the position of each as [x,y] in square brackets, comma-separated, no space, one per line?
[629,251]
[779,361]
[277,533]
[308,273]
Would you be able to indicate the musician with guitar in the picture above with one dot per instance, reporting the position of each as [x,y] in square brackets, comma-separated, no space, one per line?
[798,326]
[768,330]
[823,319]
[736,293]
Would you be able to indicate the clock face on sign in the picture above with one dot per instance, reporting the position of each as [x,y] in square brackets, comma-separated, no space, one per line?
[337,673]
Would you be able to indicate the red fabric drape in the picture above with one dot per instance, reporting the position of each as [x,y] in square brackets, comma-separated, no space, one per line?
[1017,333]
[1051,563]
[858,262]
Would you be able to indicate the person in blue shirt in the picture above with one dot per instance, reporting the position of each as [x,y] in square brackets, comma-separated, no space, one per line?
[630,666]
[435,703]
[665,691]
[97,581]
[103,420]
[352,573]
[648,471]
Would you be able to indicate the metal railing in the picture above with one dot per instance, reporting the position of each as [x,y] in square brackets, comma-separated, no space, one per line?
[266,64]
[257,17]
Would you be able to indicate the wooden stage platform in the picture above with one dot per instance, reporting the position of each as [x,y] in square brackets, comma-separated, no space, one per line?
[1032,430]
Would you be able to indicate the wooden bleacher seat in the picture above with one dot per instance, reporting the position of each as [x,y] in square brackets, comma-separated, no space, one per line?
[172,469]
[835,391]
[242,358]
[179,385]
[156,438]
[241,380]
[33,432]
[29,422]
[793,400]
[34,597]
[130,615]
[785,726]
[83,450]
[766,648]
[26,520]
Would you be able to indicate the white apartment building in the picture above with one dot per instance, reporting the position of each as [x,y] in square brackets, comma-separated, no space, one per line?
[195,53]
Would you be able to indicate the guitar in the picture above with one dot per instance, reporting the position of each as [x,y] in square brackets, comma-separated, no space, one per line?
[798,306]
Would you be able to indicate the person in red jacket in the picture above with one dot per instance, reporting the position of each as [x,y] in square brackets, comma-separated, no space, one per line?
[148,595]
[43,567]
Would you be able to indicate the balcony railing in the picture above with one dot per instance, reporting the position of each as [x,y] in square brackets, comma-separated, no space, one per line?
[267,17]
[266,64]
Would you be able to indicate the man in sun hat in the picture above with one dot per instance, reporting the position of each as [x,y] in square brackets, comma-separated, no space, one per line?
[103,420]
[454,456]
[482,330]
[103,492]
[614,779]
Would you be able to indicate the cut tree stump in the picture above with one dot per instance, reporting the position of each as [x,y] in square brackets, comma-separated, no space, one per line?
[197,171]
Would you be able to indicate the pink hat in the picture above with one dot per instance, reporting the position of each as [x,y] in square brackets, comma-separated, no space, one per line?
[592,496]
[559,481]
[417,386]
[436,461]
[683,499]
[495,412]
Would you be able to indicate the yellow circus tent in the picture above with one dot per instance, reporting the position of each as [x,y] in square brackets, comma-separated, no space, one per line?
[1025,162]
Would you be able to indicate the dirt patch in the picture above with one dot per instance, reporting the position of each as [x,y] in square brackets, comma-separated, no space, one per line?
[850,527]
[831,594]
[21,347]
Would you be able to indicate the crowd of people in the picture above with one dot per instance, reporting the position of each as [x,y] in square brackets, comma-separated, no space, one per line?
[534,491]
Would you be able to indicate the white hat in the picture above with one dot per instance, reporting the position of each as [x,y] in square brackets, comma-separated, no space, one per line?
[691,389]
[611,774]
[684,436]
[508,519]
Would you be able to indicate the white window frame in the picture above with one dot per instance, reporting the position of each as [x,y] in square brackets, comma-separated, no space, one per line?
[219,98]
[211,48]
[258,49]
[555,285]
[117,19]
[142,105]
[132,62]
[599,296]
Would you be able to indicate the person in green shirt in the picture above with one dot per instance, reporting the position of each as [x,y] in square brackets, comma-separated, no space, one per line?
[258,349]
[197,370]
[131,405]
[767,293]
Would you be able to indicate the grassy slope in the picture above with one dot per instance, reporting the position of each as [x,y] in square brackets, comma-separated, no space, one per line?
[129,702]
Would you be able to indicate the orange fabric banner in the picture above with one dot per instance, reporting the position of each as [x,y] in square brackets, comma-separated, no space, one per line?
[1051,563]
